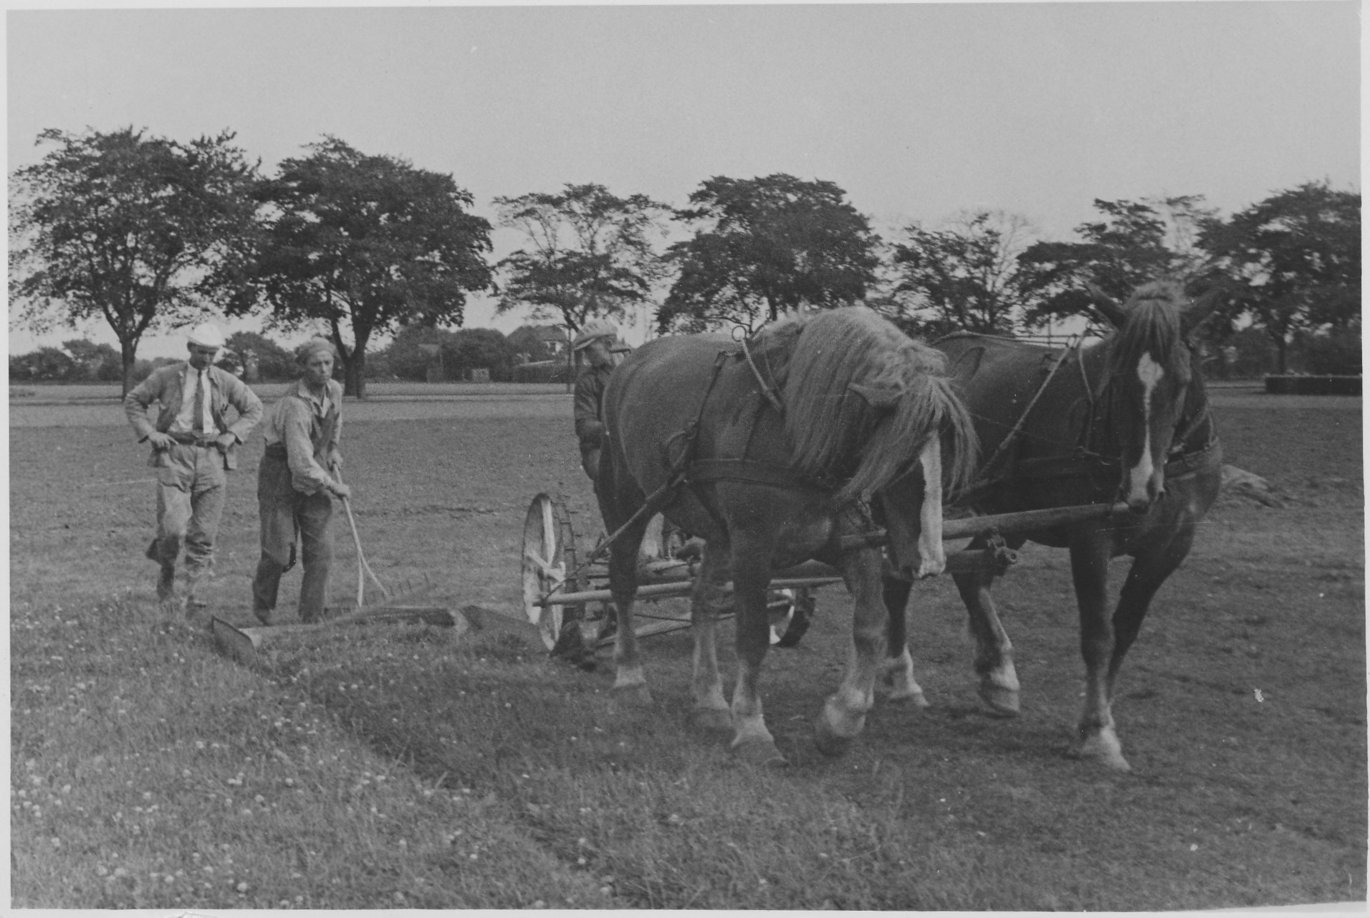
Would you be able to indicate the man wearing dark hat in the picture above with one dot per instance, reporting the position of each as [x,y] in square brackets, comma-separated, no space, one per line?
[597,345]
[299,472]
[193,444]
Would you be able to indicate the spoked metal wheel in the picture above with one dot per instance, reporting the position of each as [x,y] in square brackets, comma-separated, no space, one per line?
[549,562]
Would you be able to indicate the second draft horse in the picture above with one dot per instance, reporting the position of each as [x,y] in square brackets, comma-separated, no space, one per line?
[1125,420]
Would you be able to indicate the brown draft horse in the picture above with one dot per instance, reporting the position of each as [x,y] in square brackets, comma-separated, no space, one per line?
[1127,419]
[768,450]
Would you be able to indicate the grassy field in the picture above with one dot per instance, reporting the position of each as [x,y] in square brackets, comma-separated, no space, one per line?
[397,766]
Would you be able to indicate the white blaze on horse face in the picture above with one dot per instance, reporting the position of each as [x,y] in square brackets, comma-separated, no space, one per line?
[1150,373]
[932,558]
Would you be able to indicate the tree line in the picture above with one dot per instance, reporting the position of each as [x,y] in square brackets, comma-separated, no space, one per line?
[147,233]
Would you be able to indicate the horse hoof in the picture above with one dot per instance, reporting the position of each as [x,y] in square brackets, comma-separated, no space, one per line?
[713,720]
[912,699]
[1104,751]
[1001,702]
[636,695]
[761,753]
[828,740]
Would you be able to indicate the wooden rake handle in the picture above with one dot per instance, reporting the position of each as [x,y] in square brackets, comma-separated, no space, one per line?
[363,568]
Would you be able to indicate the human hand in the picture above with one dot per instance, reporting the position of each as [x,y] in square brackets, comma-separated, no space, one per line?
[226,441]
[160,440]
[341,489]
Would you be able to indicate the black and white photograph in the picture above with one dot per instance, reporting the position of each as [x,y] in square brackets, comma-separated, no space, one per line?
[789,456]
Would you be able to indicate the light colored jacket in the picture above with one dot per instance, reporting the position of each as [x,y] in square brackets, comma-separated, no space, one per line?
[164,387]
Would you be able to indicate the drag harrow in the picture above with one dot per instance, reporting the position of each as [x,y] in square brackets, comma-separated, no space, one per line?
[558,588]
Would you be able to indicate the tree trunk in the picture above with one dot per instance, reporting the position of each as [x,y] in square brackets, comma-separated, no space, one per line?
[354,375]
[128,354]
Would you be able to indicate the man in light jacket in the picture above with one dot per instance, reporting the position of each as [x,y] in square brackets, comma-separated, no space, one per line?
[194,443]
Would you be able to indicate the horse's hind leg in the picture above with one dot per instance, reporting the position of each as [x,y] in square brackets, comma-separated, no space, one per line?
[708,597]
[751,576]
[898,663]
[630,682]
[844,713]
[999,687]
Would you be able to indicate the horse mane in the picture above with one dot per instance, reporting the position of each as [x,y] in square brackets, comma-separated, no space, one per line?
[1152,325]
[834,430]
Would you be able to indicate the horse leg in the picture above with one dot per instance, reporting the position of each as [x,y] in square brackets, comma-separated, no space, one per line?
[1151,568]
[630,682]
[898,665]
[999,688]
[844,713]
[1097,737]
[707,597]
[751,576]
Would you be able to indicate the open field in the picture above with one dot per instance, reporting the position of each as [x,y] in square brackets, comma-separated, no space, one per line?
[395,767]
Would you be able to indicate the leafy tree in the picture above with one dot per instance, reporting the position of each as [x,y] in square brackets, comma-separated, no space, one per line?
[1136,242]
[1293,261]
[359,245]
[479,348]
[533,341]
[965,276]
[766,246]
[97,362]
[126,228]
[47,364]
[273,361]
[587,253]
[414,349]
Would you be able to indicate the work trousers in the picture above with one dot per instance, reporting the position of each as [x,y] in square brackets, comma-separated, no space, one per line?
[190,502]
[288,515]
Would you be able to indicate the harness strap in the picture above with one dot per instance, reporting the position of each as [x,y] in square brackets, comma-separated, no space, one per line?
[1013,434]
[767,389]
[752,472]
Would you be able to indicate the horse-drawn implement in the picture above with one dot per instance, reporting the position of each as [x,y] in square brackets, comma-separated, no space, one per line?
[820,449]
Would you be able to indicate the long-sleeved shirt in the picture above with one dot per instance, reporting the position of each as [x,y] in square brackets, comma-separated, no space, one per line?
[309,427]
[166,386]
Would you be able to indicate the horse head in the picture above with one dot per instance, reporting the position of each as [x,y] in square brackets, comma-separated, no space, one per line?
[1150,368]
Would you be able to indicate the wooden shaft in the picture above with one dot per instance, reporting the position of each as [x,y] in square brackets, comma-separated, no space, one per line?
[808,574]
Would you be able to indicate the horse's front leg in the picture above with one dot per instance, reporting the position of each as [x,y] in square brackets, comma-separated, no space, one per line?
[999,688]
[898,663]
[751,576]
[1097,737]
[708,598]
[630,681]
[844,713]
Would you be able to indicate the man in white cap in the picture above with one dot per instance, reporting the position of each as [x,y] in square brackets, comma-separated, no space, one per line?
[193,443]
[597,344]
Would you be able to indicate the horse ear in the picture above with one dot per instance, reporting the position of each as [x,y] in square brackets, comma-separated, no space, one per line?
[878,396]
[1106,304]
[1200,309]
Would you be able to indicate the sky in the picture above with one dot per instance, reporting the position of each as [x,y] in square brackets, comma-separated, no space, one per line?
[917,110]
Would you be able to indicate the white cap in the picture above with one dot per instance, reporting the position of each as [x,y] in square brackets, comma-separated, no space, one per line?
[206,334]
[592,331]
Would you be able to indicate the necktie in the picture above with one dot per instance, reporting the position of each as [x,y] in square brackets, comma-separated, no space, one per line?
[200,402]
